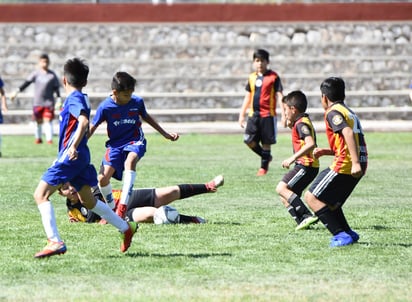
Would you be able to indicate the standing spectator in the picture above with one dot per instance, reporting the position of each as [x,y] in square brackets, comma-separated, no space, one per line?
[46,84]
[3,106]
[263,91]
[332,187]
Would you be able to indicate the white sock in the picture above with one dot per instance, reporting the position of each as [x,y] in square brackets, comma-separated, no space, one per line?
[108,195]
[48,131]
[103,210]
[49,221]
[129,177]
[37,133]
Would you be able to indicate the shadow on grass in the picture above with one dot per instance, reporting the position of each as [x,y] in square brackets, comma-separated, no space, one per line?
[158,255]
[407,245]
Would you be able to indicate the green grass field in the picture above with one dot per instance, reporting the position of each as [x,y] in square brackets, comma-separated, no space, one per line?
[248,250]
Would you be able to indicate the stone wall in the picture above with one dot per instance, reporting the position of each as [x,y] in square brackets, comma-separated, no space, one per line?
[209,63]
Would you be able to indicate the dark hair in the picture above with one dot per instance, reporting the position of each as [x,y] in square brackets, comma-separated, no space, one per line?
[296,99]
[44,56]
[76,72]
[123,81]
[261,54]
[334,89]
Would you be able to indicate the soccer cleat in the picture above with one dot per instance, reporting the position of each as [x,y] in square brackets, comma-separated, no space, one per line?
[215,183]
[121,210]
[38,141]
[261,172]
[127,236]
[305,223]
[52,248]
[354,235]
[341,239]
[50,142]
[197,219]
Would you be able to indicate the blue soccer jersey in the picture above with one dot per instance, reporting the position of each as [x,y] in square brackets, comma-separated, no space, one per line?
[123,121]
[78,172]
[74,105]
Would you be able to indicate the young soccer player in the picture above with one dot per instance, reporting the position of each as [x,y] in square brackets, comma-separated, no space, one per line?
[73,164]
[306,167]
[143,202]
[263,91]
[126,145]
[46,84]
[331,188]
[3,105]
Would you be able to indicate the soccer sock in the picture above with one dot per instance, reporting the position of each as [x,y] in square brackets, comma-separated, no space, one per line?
[129,177]
[38,130]
[187,190]
[108,195]
[257,149]
[48,131]
[265,159]
[49,221]
[292,213]
[300,208]
[342,219]
[330,220]
[104,211]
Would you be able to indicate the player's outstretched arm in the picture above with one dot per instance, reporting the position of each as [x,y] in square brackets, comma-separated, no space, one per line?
[152,122]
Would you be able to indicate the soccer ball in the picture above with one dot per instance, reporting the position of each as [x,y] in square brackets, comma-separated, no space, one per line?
[166,215]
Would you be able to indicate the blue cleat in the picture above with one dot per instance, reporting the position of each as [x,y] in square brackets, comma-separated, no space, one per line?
[354,235]
[341,239]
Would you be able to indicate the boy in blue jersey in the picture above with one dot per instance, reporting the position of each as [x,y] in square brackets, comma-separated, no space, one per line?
[126,145]
[73,164]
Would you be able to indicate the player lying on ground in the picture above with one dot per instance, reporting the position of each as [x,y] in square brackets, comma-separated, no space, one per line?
[143,202]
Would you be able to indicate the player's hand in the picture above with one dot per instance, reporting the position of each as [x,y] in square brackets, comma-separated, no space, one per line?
[173,136]
[287,162]
[58,104]
[242,121]
[73,154]
[14,95]
[318,152]
[356,170]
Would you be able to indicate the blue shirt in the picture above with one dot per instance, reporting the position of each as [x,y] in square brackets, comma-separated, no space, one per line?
[1,83]
[75,104]
[123,121]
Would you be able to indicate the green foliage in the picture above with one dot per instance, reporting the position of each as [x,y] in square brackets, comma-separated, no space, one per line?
[248,250]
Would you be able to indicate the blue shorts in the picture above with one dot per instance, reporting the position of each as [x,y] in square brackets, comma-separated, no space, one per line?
[78,172]
[115,157]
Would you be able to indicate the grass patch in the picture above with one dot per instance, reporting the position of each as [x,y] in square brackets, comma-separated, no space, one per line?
[248,250]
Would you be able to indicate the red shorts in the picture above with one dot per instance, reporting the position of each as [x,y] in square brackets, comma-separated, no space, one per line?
[41,112]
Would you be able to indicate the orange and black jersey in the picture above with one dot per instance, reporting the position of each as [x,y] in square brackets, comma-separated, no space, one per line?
[337,117]
[302,128]
[263,90]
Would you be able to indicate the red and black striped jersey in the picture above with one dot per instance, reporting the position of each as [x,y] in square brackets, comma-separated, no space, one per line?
[263,90]
[302,128]
[337,117]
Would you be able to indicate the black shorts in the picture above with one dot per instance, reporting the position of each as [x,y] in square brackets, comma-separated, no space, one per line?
[140,198]
[299,178]
[333,188]
[261,129]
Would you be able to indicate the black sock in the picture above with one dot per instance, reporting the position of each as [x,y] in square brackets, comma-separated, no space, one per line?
[330,220]
[300,208]
[186,218]
[188,190]
[257,149]
[342,219]
[292,213]
[265,159]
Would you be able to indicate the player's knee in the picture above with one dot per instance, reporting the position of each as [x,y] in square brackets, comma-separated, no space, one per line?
[280,187]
